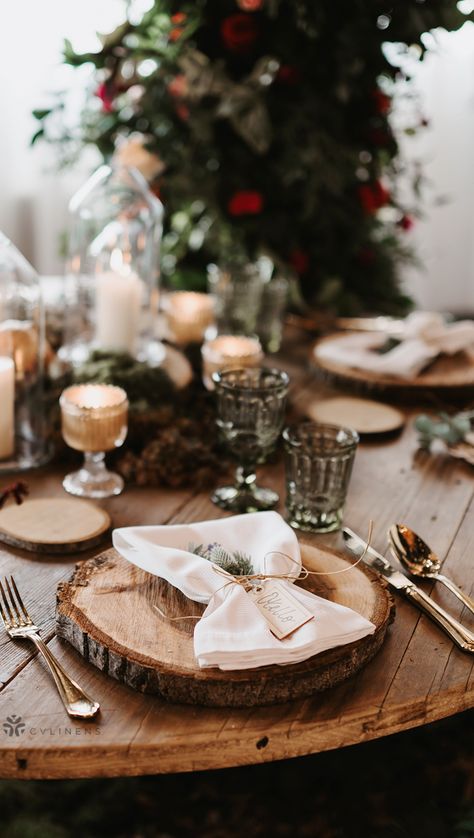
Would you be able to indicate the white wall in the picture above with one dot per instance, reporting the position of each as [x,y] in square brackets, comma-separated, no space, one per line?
[444,237]
[33,196]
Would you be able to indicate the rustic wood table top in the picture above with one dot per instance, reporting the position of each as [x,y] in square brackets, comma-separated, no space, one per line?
[419,676]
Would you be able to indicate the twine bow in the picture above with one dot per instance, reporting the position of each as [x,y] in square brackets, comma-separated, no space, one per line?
[247,580]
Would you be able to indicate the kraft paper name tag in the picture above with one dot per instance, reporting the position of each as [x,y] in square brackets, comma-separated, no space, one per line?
[282,611]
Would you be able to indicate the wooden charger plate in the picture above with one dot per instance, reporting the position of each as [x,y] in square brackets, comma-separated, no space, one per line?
[446,372]
[106,611]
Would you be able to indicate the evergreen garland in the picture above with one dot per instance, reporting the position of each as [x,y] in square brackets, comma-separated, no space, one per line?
[269,125]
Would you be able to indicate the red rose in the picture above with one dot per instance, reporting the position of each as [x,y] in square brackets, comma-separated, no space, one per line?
[379,137]
[239,32]
[106,94]
[246,202]
[182,111]
[250,5]
[366,257]
[287,74]
[299,260]
[406,223]
[383,102]
[178,87]
[373,196]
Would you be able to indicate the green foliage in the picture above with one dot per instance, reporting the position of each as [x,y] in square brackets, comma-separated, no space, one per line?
[289,103]
[449,429]
[236,563]
[146,386]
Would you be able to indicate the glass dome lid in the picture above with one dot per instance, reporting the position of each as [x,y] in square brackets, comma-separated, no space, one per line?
[113,266]
[24,426]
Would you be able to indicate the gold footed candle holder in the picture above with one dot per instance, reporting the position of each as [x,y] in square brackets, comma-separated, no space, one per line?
[94,420]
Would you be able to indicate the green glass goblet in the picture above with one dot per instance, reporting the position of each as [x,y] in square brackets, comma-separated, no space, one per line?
[250,415]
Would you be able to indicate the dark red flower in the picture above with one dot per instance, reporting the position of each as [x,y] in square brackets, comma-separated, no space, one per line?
[366,257]
[246,202]
[250,5]
[106,93]
[182,111]
[178,87]
[287,74]
[379,137]
[406,223]
[383,103]
[373,196]
[299,260]
[239,32]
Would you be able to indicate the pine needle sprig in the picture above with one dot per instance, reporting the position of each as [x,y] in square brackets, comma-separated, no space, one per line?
[237,563]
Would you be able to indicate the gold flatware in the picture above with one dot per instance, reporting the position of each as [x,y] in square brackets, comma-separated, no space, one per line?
[415,556]
[18,625]
[401,583]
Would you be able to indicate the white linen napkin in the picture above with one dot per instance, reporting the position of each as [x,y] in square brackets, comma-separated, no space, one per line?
[232,633]
[425,337]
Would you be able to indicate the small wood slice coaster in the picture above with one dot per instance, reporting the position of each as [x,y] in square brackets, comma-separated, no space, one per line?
[54,525]
[364,415]
[107,612]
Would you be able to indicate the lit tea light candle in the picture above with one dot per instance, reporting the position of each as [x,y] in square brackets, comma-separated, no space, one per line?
[7,407]
[19,340]
[94,420]
[188,315]
[229,352]
[94,416]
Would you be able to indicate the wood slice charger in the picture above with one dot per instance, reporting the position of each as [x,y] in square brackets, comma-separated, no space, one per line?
[107,612]
[450,373]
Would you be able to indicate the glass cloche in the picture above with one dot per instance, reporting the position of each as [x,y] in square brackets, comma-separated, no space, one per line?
[113,267]
[24,426]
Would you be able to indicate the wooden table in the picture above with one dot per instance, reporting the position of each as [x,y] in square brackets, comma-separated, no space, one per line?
[418,677]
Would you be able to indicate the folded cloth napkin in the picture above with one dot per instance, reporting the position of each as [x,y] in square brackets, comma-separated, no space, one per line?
[232,633]
[425,337]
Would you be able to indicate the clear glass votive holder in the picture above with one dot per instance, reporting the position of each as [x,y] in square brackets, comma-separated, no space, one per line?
[237,293]
[188,315]
[229,352]
[318,460]
[271,313]
[94,420]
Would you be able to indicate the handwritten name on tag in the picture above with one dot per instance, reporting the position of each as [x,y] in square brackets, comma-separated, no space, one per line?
[282,611]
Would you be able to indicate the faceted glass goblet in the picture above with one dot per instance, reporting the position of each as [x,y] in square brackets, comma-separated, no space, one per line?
[94,420]
[250,414]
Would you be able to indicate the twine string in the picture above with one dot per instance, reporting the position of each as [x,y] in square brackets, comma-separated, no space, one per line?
[247,581]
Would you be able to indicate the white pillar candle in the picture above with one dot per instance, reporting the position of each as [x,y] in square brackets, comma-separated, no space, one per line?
[188,315]
[118,307]
[229,352]
[7,407]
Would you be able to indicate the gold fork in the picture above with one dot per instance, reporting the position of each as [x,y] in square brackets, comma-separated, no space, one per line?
[18,624]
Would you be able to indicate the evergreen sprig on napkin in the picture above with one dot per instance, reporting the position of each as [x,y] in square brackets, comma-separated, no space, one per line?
[236,563]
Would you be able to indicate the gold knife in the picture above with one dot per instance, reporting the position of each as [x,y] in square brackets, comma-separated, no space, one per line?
[461,636]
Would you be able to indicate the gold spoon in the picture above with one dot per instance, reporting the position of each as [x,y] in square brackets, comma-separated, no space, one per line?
[415,555]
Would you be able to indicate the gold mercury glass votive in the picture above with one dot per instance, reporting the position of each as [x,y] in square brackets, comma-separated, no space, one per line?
[188,315]
[94,420]
[229,352]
